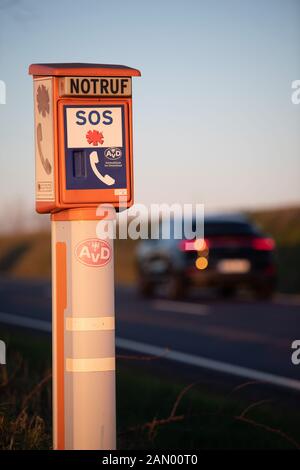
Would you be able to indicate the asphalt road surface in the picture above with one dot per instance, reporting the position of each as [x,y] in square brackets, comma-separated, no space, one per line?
[241,337]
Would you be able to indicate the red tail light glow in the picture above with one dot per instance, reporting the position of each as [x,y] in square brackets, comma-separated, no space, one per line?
[201,244]
[263,244]
[193,245]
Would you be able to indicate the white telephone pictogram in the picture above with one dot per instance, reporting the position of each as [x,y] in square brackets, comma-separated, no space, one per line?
[106,179]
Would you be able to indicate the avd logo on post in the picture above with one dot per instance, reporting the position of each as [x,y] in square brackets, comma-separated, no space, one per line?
[93,252]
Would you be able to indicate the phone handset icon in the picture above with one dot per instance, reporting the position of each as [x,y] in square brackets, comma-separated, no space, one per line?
[45,162]
[106,179]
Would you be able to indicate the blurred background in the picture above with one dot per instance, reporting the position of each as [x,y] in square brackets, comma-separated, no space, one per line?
[214,124]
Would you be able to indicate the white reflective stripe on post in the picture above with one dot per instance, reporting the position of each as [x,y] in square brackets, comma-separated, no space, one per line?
[98,364]
[90,323]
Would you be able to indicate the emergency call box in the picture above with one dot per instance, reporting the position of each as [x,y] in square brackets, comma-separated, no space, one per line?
[83,135]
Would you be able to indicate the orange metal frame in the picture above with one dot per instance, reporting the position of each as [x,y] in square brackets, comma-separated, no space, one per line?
[66,199]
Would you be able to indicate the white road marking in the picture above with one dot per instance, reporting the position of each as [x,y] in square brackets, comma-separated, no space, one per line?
[210,364]
[181,307]
[25,322]
[171,354]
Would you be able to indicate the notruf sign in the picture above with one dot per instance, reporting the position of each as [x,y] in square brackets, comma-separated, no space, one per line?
[83,116]
[100,86]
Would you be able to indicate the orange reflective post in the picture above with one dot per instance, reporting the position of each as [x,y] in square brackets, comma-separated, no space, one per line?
[83,148]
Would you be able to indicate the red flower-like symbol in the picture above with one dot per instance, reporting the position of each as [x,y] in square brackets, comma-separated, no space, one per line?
[43,100]
[95,137]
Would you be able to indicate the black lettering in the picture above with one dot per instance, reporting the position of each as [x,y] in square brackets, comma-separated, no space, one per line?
[74,85]
[124,85]
[104,86]
[85,85]
[114,86]
[94,82]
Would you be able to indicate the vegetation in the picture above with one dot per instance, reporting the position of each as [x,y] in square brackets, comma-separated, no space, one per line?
[28,255]
[154,410]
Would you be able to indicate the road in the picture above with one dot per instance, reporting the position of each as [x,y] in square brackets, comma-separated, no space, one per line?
[238,337]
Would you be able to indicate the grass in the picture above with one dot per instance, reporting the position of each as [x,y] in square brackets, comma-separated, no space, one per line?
[282,224]
[25,403]
[28,255]
[154,411]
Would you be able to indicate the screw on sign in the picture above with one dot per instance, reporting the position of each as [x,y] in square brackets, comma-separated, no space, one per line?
[93,252]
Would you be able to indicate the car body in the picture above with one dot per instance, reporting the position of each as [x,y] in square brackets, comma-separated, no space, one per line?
[232,253]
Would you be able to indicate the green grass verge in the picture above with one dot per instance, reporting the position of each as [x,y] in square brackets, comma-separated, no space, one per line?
[154,411]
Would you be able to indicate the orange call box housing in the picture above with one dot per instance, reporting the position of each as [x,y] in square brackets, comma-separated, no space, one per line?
[83,135]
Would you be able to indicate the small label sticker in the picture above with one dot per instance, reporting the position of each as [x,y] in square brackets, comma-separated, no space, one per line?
[120,192]
[93,252]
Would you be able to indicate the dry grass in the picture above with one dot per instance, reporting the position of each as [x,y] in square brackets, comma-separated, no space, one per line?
[25,399]
[154,411]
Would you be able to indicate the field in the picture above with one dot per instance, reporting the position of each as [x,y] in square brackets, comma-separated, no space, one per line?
[28,255]
[155,410]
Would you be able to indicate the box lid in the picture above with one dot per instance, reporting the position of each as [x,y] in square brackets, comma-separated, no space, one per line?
[83,70]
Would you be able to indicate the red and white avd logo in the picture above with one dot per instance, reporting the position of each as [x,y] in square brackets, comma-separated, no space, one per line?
[93,252]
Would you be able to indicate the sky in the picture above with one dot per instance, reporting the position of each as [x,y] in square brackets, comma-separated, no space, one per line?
[213,118]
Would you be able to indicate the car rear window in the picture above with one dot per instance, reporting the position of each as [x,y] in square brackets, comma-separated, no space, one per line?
[213,228]
[228,228]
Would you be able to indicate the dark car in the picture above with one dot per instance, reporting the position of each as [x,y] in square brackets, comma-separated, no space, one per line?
[233,253]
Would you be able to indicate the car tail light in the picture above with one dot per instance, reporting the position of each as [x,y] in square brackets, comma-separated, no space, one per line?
[183,245]
[263,244]
[200,244]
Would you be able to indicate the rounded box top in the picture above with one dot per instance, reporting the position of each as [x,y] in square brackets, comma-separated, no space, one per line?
[83,70]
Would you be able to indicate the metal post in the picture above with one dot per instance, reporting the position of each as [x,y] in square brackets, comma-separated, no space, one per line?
[84,414]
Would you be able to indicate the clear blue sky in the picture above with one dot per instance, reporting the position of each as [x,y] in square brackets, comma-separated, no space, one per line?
[213,117]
